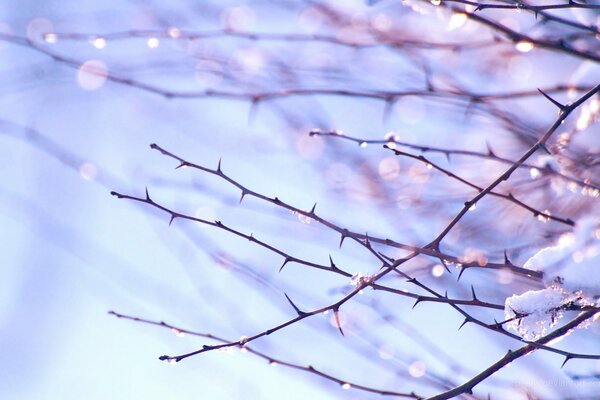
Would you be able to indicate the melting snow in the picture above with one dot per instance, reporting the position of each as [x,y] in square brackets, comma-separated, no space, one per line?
[571,275]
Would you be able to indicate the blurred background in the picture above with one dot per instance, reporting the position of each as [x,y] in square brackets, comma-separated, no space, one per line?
[87,86]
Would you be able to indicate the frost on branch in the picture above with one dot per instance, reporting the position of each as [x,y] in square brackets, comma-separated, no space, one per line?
[572,278]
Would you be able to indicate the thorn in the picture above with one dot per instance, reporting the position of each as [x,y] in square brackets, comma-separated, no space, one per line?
[253,109]
[489,149]
[287,260]
[387,109]
[312,210]
[560,106]
[300,313]
[473,292]
[219,167]
[342,238]
[367,241]
[416,302]
[446,294]
[469,109]
[462,270]
[336,314]
[428,83]
[445,264]
[464,323]
[332,263]
[506,260]
[147,195]
[242,196]
[567,358]
[173,216]
[447,156]
[518,314]
[181,165]
[543,147]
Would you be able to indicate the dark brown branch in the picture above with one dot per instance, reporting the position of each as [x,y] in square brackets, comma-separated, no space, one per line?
[432,252]
[271,360]
[517,5]
[511,356]
[288,258]
[540,144]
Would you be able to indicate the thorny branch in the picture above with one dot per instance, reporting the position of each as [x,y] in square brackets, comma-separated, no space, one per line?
[511,356]
[452,93]
[565,110]
[270,359]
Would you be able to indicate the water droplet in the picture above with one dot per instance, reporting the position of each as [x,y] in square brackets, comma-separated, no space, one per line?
[177,332]
[389,168]
[174,32]
[88,171]
[51,38]
[153,42]
[544,217]
[417,369]
[303,218]
[99,42]
[346,386]
[456,21]
[534,173]
[437,270]
[524,46]
[92,74]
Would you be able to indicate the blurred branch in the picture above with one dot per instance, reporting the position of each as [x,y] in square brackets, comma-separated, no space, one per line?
[490,155]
